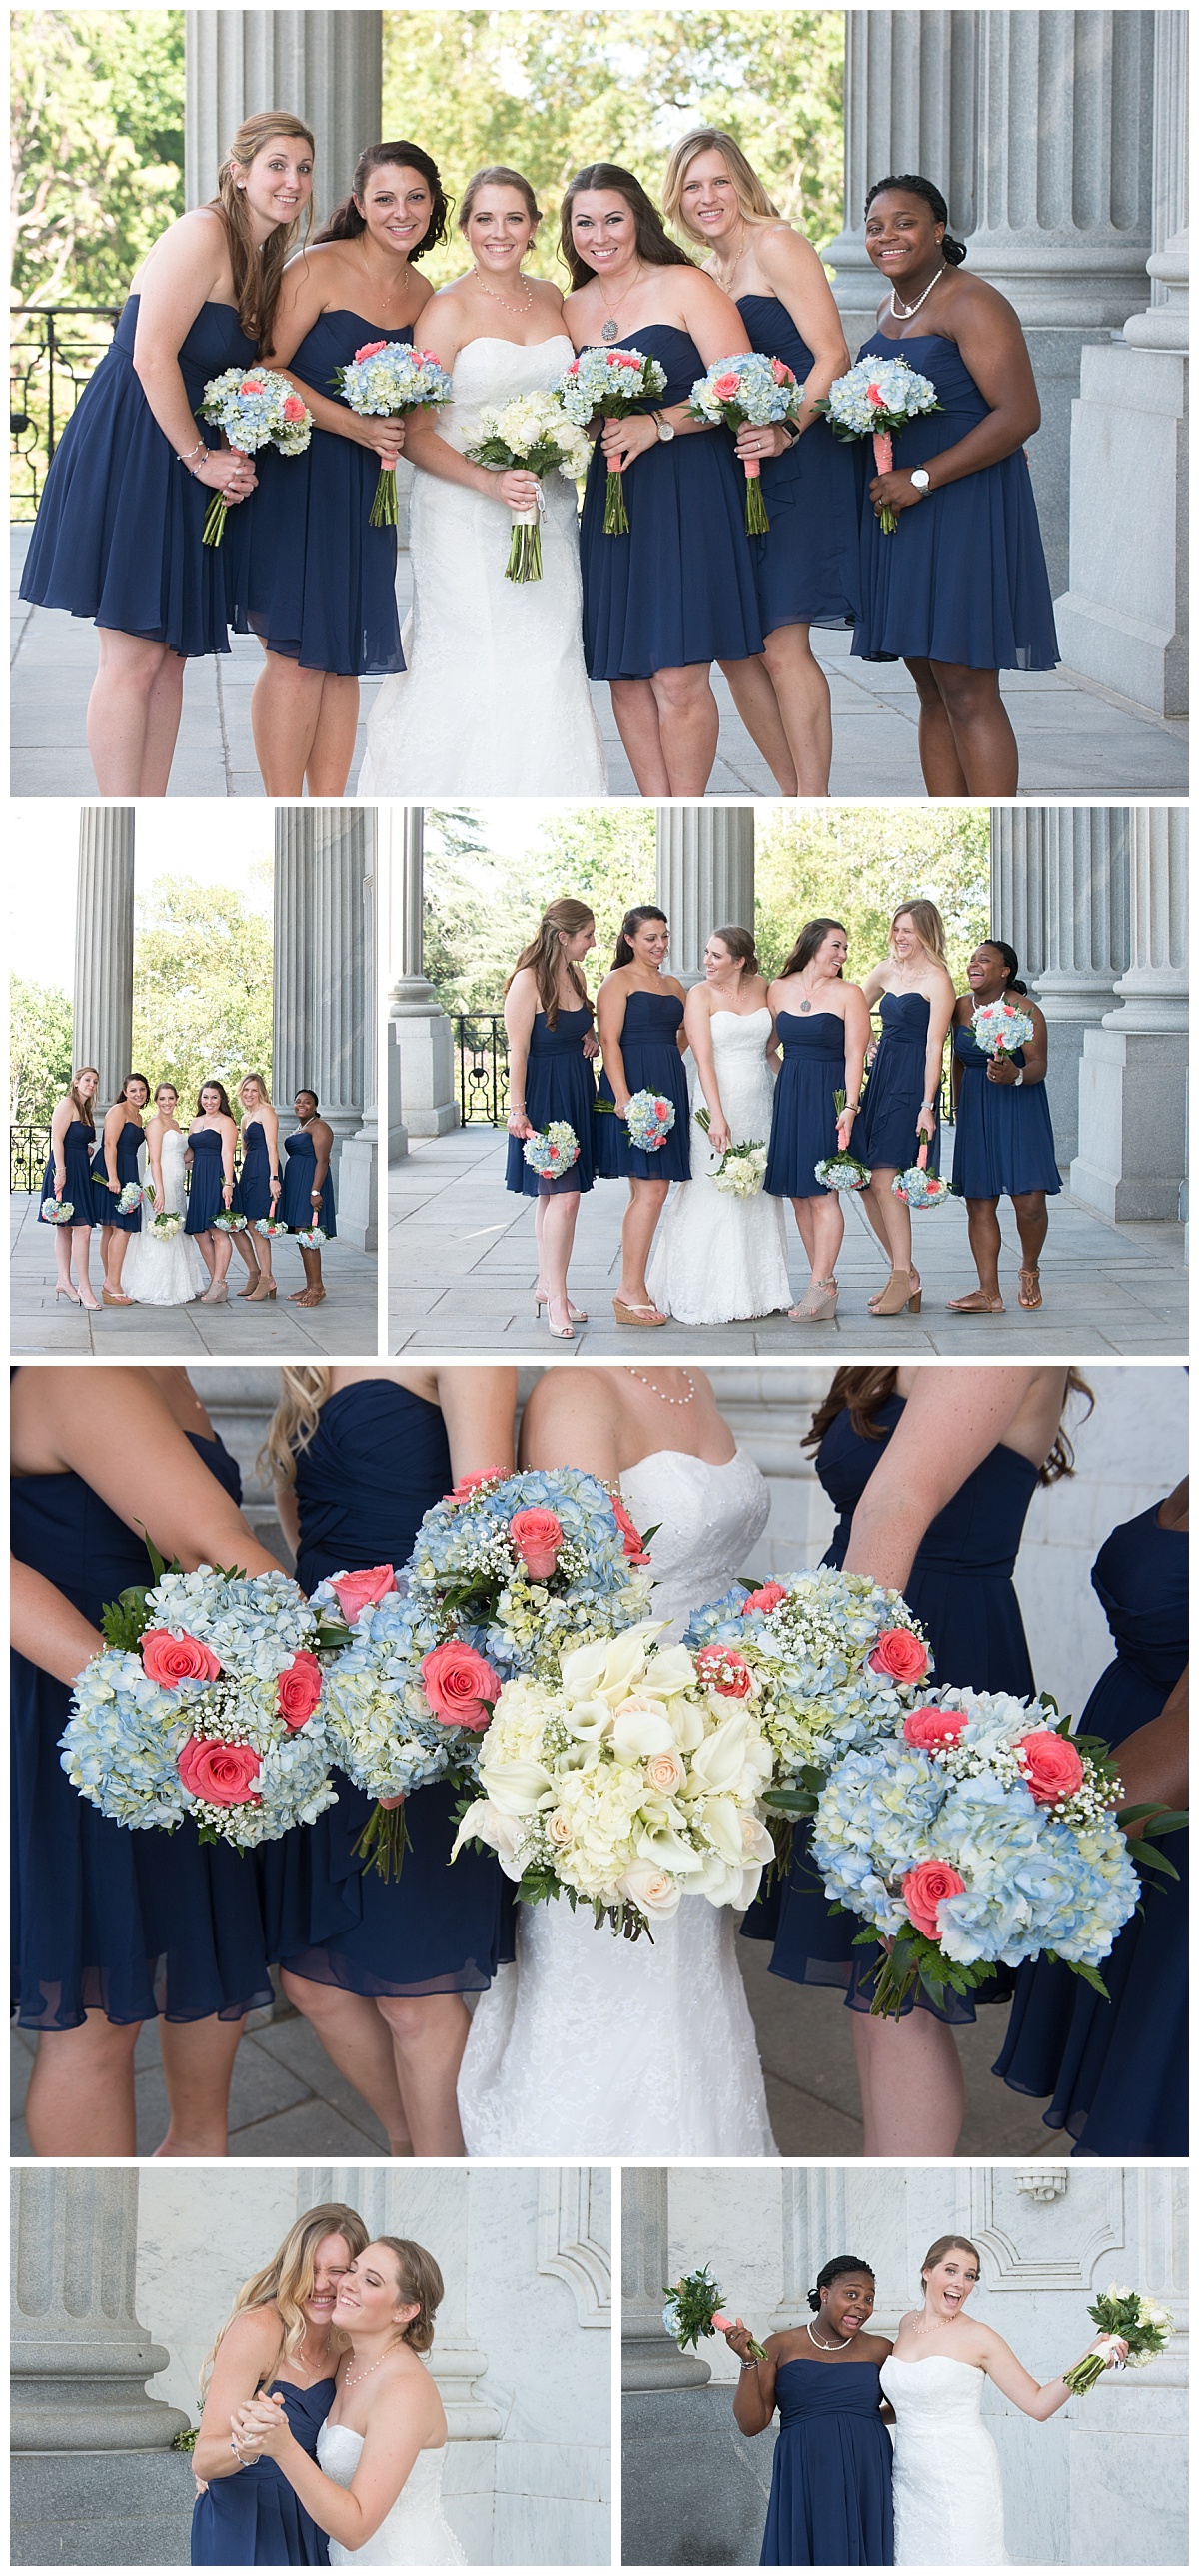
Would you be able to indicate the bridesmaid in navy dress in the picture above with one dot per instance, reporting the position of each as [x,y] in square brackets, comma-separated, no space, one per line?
[824,1026]
[279,2341]
[378,1966]
[677,593]
[643,1042]
[115,1167]
[932,1476]
[807,568]
[308,1199]
[258,1187]
[1117,2071]
[119,531]
[915,999]
[112,1927]
[211,1140]
[1003,1139]
[830,2487]
[321,588]
[551,1040]
[68,1175]
[960,591]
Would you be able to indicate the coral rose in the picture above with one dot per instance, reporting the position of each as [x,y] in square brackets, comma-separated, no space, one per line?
[1051,1767]
[370,348]
[299,1689]
[368,1583]
[928,1727]
[293,408]
[252,385]
[765,1599]
[925,1888]
[726,388]
[219,1773]
[634,1545]
[468,1485]
[536,1537]
[900,1654]
[724,1670]
[172,1659]
[458,1685]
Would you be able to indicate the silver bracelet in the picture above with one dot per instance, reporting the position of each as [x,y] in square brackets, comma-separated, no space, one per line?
[751,2364]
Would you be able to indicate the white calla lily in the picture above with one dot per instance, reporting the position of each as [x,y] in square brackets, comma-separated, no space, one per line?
[641,1726]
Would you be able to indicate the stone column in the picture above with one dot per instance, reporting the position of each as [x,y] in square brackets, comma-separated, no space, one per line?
[421,1038]
[358,1171]
[705,878]
[433,2207]
[1131,1159]
[1018,882]
[102,1030]
[650,2358]
[1085,935]
[911,78]
[324,65]
[320,960]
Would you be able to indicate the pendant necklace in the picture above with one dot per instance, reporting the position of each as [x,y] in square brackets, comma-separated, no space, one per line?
[609,330]
[689,1398]
[843,2346]
[904,312]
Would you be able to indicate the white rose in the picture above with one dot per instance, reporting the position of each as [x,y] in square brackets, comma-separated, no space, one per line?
[641,1726]
[558,1827]
[652,1890]
[757,1840]
[666,1771]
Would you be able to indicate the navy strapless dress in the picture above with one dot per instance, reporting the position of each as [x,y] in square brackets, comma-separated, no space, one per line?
[963,578]
[652,1063]
[255,2519]
[320,584]
[129,1144]
[559,1083]
[807,569]
[884,1132]
[78,1147]
[295,1206]
[1118,2071]
[119,531]
[1003,1140]
[252,1188]
[377,1463]
[803,1125]
[962,1592]
[680,586]
[205,1196]
[130,1924]
[830,2493]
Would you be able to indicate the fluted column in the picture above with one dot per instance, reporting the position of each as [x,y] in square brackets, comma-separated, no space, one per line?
[1086,896]
[1153,995]
[420,1036]
[102,1031]
[705,878]
[1018,882]
[324,65]
[910,104]
[358,1172]
[650,2358]
[1166,324]
[1131,1159]
[80,2359]
[293,898]
[320,963]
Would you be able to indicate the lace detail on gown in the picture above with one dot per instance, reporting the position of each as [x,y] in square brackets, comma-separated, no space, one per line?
[947,2488]
[495,700]
[415,2533]
[164,1274]
[718,1260]
[596,2046]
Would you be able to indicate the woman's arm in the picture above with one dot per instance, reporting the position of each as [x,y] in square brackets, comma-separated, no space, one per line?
[478,1408]
[248,2349]
[270,1128]
[952,1420]
[940,1013]
[857,1039]
[1036,1054]
[184,270]
[393,2443]
[610,1010]
[754,2394]
[63,1114]
[322,1146]
[520,1011]
[228,1136]
[1018,2385]
[1153,1761]
[113,1427]
[697,1021]
[801,285]
[287,1513]
[112,1137]
[876,983]
[570,1420]
[994,349]
[47,1628]
[715,325]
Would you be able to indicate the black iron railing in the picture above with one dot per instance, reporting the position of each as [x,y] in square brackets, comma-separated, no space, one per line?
[28,1148]
[53,350]
[482,1043]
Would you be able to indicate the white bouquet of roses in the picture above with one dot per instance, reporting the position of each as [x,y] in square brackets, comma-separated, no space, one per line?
[384,379]
[742,1168]
[1000,1029]
[258,409]
[876,399]
[532,434]
[1142,2323]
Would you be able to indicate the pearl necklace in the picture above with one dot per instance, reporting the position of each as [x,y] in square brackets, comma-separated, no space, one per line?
[843,2346]
[350,2378]
[689,1398]
[904,312]
[506,300]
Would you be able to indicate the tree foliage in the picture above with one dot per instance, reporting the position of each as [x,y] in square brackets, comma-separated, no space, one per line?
[39,1051]
[97,147]
[481,906]
[859,863]
[203,972]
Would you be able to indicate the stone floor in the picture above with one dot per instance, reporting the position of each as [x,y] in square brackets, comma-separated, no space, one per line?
[287,2100]
[1076,739]
[461,1274]
[345,1327]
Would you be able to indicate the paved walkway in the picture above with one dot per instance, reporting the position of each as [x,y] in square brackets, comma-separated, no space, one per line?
[1075,738]
[461,1274]
[345,1327]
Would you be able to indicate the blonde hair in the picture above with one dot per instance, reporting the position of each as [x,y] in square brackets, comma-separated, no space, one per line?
[287,2280]
[84,1107]
[420,2279]
[258,273]
[926,922]
[294,1421]
[255,1077]
[750,193]
[565,918]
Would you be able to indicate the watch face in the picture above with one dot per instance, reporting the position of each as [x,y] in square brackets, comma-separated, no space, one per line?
[666,430]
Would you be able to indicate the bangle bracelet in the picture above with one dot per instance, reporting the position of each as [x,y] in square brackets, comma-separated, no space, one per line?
[751,2364]
[200,449]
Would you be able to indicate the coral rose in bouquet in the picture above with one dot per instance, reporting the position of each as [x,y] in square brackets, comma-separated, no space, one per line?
[532,434]
[1000,1029]
[918,1187]
[609,384]
[876,399]
[384,379]
[648,1118]
[258,409]
[842,1170]
[750,387]
[553,1150]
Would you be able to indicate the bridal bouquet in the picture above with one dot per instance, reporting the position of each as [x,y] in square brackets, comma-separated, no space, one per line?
[1144,2326]
[877,398]
[828,1660]
[261,409]
[622,1782]
[749,387]
[553,1150]
[692,2309]
[205,1701]
[999,1029]
[532,434]
[976,1833]
[385,378]
[842,1170]
[918,1187]
[742,1168]
[612,383]
[165,1225]
[57,1211]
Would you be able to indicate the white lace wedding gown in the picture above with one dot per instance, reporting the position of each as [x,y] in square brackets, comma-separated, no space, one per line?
[415,2532]
[718,1260]
[947,2488]
[164,1274]
[596,2046]
[494,700]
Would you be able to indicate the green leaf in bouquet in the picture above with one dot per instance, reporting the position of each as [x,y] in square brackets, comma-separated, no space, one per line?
[125,1620]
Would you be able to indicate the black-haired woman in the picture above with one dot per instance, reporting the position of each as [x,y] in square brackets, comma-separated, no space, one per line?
[643,1040]
[320,591]
[677,593]
[960,590]
[1003,1142]
[830,2491]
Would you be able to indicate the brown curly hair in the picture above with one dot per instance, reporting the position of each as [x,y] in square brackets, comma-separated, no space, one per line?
[419,2279]
[862,1392]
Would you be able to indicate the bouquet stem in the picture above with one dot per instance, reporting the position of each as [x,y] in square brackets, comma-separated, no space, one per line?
[884,458]
[383,1841]
[616,517]
[757,518]
[383,508]
[1086,2374]
[214,520]
[524,553]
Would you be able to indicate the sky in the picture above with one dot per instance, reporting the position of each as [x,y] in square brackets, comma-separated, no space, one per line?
[216,844]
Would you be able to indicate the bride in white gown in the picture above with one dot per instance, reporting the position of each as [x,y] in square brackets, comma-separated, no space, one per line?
[494,700]
[592,2045]
[947,2487]
[157,1273]
[717,1259]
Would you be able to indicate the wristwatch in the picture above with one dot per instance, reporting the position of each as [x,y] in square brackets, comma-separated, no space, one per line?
[1018,1084]
[665,428]
[920,478]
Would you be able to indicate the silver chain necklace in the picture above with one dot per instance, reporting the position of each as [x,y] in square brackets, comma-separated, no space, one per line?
[904,312]
[843,2346]
[689,1398]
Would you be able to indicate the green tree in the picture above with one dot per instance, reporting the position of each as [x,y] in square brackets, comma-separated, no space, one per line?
[858,863]
[481,906]
[39,1051]
[202,987]
[97,147]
